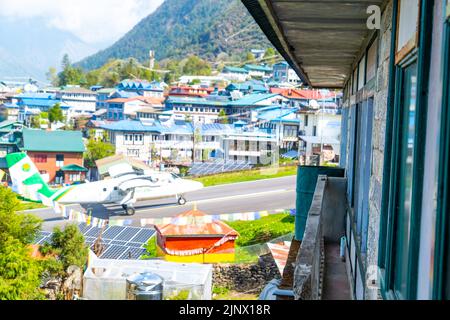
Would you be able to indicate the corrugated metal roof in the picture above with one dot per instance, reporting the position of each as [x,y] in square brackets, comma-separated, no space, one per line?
[235,70]
[52,141]
[254,67]
[252,99]
[74,167]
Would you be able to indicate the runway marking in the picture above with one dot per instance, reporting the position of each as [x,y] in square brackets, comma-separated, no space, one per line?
[248,195]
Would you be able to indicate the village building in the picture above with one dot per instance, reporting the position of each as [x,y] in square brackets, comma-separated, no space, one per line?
[143,87]
[235,74]
[80,100]
[259,71]
[127,108]
[103,95]
[190,91]
[194,236]
[58,155]
[283,73]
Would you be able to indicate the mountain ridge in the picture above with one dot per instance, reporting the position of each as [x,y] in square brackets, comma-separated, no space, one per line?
[179,28]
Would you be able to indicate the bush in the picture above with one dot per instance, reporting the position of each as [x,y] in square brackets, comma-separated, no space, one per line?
[20,274]
[68,246]
[151,249]
[263,230]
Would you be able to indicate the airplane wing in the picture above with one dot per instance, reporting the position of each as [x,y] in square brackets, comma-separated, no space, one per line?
[138,183]
[120,170]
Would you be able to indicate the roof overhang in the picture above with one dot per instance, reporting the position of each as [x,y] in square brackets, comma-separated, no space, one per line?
[319,39]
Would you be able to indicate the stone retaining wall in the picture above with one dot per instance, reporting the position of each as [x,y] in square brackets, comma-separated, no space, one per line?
[249,278]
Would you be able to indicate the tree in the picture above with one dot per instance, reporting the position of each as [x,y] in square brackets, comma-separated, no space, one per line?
[250,57]
[223,118]
[96,150]
[69,247]
[52,76]
[65,63]
[270,56]
[69,74]
[35,122]
[20,274]
[197,66]
[55,114]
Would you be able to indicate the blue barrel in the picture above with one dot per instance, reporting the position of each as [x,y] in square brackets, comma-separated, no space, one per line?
[306,185]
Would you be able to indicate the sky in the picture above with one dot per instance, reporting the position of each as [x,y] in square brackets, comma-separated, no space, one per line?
[93,21]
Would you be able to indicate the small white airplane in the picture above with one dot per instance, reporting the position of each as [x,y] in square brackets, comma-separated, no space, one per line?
[126,186]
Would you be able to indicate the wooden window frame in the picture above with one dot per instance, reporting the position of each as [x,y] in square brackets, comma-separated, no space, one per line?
[401,53]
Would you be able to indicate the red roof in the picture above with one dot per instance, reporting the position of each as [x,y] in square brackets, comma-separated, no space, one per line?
[148,100]
[301,94]
[192,223]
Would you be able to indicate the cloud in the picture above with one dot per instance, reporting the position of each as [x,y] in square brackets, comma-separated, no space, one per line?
[94,21]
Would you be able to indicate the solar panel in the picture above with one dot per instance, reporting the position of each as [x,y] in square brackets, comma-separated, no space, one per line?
[143,236]
[112,232]
[132,253]
[218,166]
[43,237]
[120,242]
[127,234]
[113,252]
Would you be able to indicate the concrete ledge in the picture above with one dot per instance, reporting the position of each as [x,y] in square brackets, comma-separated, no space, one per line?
[307,274]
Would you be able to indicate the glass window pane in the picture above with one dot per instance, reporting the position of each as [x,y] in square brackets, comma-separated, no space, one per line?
[403,224]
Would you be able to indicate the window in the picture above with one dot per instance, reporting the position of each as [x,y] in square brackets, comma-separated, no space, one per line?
[372,61]
[403,225]
[407,27]
[40,158]
[74,177]
[60,160]
[362,73]
[133,152]
[306,120]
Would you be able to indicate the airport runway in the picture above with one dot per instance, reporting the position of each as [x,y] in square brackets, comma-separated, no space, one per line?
[259,195]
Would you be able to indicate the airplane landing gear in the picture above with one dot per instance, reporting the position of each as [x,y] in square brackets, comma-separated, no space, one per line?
[130,211]
[181,201]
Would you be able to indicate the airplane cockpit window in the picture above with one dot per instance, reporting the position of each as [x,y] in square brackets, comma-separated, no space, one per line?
[174,176]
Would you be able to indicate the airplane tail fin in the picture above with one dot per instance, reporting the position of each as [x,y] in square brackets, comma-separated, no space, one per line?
[26,179]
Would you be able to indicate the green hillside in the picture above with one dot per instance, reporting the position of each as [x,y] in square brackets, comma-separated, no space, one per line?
[179,28]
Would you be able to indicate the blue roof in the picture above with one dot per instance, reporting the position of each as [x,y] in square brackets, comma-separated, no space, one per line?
[140,85]
[183,128]
[283,63]
[277,114]
[41,103]
[255,67]
[124,94]
[132,125]
[235,70]
[293,154]
[245,86]
[43,96]
[252,99]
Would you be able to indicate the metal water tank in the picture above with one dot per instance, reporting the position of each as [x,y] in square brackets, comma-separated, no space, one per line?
[145,286]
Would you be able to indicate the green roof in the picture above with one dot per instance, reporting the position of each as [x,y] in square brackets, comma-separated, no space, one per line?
[52,141]
[255,67]
[74,167]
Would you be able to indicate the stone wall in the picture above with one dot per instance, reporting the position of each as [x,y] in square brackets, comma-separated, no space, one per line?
[248,278]
[309,264]
[378,144]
